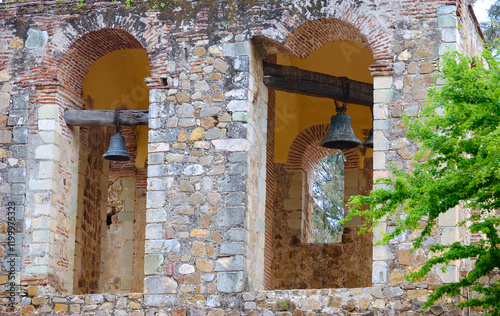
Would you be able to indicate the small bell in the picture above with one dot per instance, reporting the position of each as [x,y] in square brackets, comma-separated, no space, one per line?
[340,135]
[117,150]
[369,141]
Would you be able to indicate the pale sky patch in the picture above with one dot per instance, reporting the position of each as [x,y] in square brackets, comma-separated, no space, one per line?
[481,9]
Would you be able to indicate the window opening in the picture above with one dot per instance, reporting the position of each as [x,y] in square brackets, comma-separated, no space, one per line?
[328,194]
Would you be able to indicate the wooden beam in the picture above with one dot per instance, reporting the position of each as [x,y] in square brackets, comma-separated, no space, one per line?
[105,118]
[295,80]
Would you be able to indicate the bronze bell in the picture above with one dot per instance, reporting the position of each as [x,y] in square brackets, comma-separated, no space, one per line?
[340,135]
[369,141]
[117,150]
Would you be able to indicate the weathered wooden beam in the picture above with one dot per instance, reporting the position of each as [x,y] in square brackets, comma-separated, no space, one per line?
[296,80]
[105,118]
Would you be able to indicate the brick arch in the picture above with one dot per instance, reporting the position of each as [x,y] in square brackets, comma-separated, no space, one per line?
[305,152]
[80,56]
[345,23]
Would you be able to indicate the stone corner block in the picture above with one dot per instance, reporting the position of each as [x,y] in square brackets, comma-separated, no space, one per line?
[230,282]
[449,9]
[153,264]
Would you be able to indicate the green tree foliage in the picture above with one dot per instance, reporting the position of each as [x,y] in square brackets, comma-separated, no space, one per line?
[459,128]
[328,193]
[491,29]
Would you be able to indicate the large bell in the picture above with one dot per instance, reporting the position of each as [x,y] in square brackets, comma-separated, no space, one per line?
[340,135]
[369,141]
[117,150]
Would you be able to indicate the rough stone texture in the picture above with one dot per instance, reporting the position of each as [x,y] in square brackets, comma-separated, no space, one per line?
[210,134]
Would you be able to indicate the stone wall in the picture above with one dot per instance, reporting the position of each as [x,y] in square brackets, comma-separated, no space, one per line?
[92,191]
[357,301]
[205,220]
[299,264]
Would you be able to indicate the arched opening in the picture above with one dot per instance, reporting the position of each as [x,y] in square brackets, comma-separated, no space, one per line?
[298,123]
[110,226]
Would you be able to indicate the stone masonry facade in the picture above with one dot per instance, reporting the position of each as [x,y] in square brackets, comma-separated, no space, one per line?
[211,224]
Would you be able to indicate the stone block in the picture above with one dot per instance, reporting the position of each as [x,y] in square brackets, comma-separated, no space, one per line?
[235,198]
[48,111]
[449,275]
[155,231]
[4,101]
[419,94]
[447,21]
[384,96]
[396,277]
[427,67]
[234,263]
[379,272]
[16,175]
[232,217]
[449,218]
[5,136]
[382,82]
[20,135]
[382,253]
[125,217]
[156,158]
[160,300]
[153,264]
[379,304]
[209,111]
[449,9]
[379,161]
[380,112]
[36,39]
[392,292]
[379,141]
[400,143]
[382,124]
[399,68]
[45,170]
[156,216]
[241,117]
[236,49]
[237,94]
[235,234]
[155,199]
[405,257]
[232,248]
[232,184]
[4,76]
[412,294]
[213,133]
[41,236]
[19,117]
[238,106]
[292,204]
[230,282]
[238,157]
[450,35]
[160,285]
[231,144]
[449,235]
[49,151]
[237,130]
